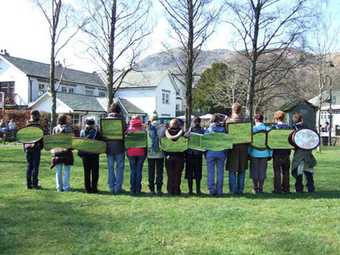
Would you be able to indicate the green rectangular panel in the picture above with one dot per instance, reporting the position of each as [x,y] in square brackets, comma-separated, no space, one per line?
[278,139]
[89,145]
[58,141]
[30,134]
[112,129]
[260,140]
[217,141]
[136,140]
[240,132]
[196,142]
[169,145]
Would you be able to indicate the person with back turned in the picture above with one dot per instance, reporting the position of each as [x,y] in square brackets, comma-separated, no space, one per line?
[33,153]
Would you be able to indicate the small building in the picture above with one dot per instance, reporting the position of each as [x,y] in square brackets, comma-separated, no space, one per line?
[307,109]
[154,91]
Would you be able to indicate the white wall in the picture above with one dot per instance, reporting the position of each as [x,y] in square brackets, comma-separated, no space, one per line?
[166,110]
[143,98]
[44,105]
[9,72]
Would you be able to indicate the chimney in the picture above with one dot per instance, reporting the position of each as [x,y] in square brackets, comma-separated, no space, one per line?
[58,63]
[4,52]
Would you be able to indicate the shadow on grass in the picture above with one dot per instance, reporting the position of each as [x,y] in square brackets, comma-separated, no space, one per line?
[264,196]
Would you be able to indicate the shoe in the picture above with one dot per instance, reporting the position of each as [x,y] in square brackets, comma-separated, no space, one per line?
[37,187]
[29,187]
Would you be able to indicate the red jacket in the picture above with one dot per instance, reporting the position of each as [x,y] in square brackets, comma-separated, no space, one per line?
[135,125]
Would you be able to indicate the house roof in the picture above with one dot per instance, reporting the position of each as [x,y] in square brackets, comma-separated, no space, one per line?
[83,103]
[136,79]
[130,107]
[290,105]
[38,69]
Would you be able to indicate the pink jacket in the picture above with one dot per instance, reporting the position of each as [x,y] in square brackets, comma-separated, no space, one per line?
[135,125]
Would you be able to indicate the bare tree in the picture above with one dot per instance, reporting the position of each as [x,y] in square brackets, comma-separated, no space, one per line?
[267,29]
[192,23]
[116,31]
[59,18]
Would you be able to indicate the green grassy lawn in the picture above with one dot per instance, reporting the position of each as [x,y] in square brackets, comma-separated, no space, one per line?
[47,222]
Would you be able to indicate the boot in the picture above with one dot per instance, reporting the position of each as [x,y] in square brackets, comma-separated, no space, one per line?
[159,190]
[152,189]
[255,186]
[190,186]
[260,187]
[198,188]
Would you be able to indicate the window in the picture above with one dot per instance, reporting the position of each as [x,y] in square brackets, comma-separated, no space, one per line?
[42,88]
[102,93]
[177,107]
[8,89]
[64,89]
[71,90]
[75,119]
[89,92]
[333,99]
[165,97]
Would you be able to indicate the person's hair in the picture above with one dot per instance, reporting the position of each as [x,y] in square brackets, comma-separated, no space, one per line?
[236,108]
[90,122]
[62,119]
[215,118]
[259,117]
[174,123]
[196,120]
[297,117]
[115,108]
[153,118]
[279,115]
[35,114]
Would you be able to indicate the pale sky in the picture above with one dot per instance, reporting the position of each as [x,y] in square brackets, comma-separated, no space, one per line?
[24,33]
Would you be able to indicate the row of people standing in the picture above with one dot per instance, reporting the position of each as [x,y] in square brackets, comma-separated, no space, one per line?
[235,161]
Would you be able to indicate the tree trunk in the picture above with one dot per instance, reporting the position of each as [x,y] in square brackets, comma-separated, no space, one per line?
[110,66]
[190,67]
[253,73]
[52,72]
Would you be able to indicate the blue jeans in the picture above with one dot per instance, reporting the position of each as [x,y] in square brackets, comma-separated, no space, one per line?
[115,180]
[136,170]
[212,163]
[236,182]
[33,162]
[62,182]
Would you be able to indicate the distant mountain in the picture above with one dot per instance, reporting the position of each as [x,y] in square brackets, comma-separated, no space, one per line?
[166,60]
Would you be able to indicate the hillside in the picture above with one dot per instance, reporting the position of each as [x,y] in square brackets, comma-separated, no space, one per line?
[165,60]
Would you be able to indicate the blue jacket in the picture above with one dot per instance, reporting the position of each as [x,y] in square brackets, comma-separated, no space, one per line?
[255,153]
[215,128]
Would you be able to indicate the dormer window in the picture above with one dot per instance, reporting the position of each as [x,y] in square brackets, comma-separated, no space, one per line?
[165,97]
[89,91]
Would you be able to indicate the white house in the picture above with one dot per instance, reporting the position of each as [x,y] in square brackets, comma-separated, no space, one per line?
[153,91]
[81,94]
[326,107]
[23,80]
